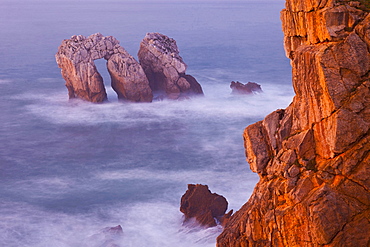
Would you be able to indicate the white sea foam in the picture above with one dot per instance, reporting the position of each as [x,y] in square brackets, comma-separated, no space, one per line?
[217,103]
[150,216]
[144,224]
[229,184]
[71,168]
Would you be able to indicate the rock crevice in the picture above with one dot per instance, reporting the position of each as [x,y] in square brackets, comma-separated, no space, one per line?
[313,158]
[161,68]
[166,71]
[76,57]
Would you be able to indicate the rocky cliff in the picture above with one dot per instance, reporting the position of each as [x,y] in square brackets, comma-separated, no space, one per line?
[313,157]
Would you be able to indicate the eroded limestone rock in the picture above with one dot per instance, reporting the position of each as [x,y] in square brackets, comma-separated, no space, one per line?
[76,57]
[128,78]
[313,157]
[205,207]
[165,68]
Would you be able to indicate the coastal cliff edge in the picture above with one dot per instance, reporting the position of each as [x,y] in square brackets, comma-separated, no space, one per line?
[313,157]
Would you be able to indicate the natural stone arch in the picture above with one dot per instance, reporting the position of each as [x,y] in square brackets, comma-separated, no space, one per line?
[76,57]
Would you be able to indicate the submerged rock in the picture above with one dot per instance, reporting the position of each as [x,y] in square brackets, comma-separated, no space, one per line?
[205,207]
[76,57]
[107,237]
[113,231]
[313,158]
[165,68]
[249,88]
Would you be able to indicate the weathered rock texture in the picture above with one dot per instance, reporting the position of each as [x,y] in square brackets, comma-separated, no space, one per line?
[165,68]
[76,57]
[249,88]
[205,207]
[313,158]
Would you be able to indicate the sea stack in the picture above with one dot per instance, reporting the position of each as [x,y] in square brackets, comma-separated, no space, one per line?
[313,157]
[76,57]
[249,88]
[206,208]
[165,68]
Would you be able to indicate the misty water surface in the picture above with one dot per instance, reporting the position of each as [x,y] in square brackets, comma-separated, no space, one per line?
[68,169]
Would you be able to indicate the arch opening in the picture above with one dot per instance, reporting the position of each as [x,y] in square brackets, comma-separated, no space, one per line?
[101,66]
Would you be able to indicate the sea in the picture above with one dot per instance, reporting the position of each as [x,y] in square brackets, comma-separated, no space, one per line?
[70,169]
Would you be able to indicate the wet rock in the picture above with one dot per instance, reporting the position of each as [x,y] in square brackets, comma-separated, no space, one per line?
[115,231]
[205,207]
[107,237]
[165,68]
[249,88]
[128,78]
[313,158]
[225,218]
[76,57]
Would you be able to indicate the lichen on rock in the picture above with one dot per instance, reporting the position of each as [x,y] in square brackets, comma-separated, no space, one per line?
[313,157]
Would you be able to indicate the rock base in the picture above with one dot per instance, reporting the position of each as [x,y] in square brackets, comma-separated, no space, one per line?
[207,208]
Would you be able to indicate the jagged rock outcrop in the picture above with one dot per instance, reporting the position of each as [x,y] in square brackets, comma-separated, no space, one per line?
[249,88]
[76,57]
[205,207]
[313,158]
[165,68]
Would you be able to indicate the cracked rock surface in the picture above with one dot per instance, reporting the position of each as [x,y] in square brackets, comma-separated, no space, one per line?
[76,57]
[313,157]
[201,204]
[165,68]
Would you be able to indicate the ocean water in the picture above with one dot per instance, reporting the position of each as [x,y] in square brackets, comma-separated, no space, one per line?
[69,169]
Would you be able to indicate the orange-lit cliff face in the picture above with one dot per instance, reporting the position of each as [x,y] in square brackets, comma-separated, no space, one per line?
[313,157]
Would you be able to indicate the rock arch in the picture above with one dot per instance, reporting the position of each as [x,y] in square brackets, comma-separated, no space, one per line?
[76,57]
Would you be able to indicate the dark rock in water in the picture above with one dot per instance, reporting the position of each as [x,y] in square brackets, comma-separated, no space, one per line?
[224,219]
[76,57]
[249,88]
[207,208]
[107,237]
[165,68]
[195,87]
[116,230]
